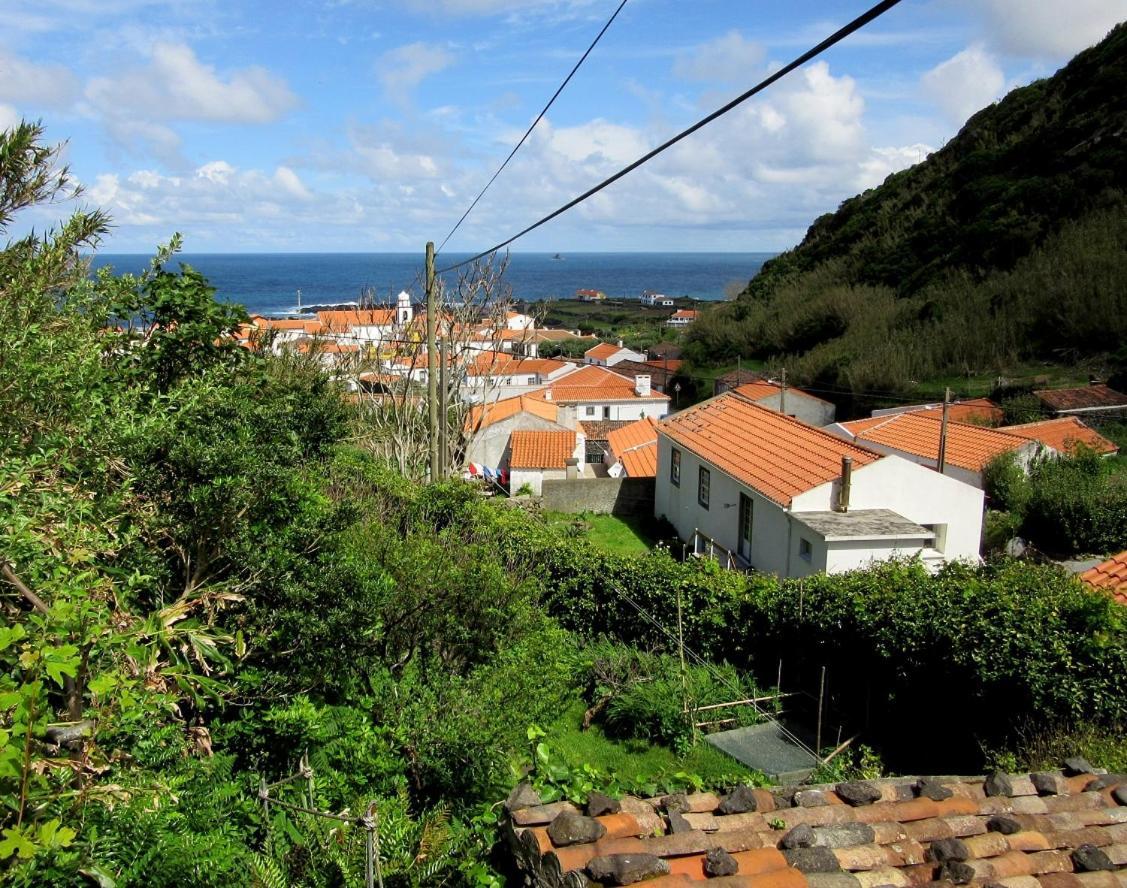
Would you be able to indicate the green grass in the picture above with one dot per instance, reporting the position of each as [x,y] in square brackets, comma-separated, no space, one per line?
[634,535]
[633,760]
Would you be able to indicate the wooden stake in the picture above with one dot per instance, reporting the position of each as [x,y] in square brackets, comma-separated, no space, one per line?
[432,362]
[941,462]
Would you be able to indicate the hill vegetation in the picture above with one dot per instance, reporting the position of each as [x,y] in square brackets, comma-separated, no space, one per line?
[1002,249]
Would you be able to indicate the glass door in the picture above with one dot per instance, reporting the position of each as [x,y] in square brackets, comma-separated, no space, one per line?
[744,545]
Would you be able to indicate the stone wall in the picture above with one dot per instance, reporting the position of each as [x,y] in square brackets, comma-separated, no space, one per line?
[614,496]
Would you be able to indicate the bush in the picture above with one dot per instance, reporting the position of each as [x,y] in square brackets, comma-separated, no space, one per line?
[1076,506]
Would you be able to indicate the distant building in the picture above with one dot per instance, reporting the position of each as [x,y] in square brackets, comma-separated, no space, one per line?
[977,411]
[606,355]
[682,317]
[725,382]
[792,401]
[590,295]
[656,300]
[597,393]
[1064,434]
[1096,399]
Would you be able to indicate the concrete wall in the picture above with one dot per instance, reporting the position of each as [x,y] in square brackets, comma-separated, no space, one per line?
[615,496]
[623,410]
[811,411]
[537,479]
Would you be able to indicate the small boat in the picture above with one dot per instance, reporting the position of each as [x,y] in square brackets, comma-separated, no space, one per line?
[557,257]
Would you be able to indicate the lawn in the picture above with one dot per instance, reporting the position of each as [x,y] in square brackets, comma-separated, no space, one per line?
[633,760]
[633,535]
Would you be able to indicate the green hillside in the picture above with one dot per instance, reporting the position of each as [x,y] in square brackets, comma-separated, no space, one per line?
[1004,249]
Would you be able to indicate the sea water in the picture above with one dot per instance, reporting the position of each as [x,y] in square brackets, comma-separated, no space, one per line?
[268,282]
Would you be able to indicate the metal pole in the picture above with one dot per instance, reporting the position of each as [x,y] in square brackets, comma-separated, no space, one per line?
[821,695]
[432,362]
[783,394]
[443,408]
[941,462]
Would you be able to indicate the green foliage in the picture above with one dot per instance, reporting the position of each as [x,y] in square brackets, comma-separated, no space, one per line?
[1006,484]
[1001,247]
[1076,506]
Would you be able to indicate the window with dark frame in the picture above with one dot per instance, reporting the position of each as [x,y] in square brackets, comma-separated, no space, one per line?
[703,482]
[805,550]
[675,468]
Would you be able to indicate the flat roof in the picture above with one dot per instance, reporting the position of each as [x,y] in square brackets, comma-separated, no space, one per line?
[862,524]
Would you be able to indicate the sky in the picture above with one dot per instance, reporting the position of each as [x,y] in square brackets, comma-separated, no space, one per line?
[370,125]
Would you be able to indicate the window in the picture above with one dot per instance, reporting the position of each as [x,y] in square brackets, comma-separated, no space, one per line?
[702,486]
[743,547]
[675,468]
[592,411]
[805,550]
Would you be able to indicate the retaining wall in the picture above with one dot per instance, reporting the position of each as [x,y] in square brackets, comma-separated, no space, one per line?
[614,496]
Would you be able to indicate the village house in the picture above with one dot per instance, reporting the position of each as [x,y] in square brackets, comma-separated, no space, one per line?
[606,355]
[660,373]
[915,436]
[976,411]
[682,317]
[539,456]
[1064,435]
[599,393]
[725,382]
[490,376]
[632,450]
[764,490]
[792,401]
[656,300]
[590,295]
[1096,400]
[490,426]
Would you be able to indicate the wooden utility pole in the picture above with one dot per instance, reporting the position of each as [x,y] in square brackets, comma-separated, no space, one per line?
[443,408]
[941,462]
[432,362]
[783,394]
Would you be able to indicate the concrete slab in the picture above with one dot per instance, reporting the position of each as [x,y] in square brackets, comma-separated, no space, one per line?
[766,748]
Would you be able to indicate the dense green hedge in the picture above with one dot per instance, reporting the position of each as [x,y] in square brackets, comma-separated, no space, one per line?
[940,663]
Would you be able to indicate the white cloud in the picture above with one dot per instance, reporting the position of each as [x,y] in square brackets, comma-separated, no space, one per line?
[289,182]
[176,85]
[727,59]
[9,117]
[24,81]
[402,69]
[1049,30]
[965,83]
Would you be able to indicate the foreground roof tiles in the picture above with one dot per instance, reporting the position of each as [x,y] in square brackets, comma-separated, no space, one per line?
[635,446]
[1044,830]
[1063,434]
[1110,576]
[969,447]
[774,454]
[1088,397]
[541,450]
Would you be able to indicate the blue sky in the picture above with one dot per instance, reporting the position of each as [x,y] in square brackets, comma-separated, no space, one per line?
[369,125]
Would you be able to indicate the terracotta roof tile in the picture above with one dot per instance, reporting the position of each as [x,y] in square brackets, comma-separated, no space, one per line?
[1063,434]
[886,843]
[969,447]
[602,351]
[635,434]
[1087,397]
[357,317]
[540,450]
[765,388]
[482,416]
[594,384]
[641,462]
[774,454]
[1110,576]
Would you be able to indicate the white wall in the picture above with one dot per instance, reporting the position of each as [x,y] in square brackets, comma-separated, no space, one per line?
[802,407]
[919,494]
[534,478]
[631,410]
[967,476]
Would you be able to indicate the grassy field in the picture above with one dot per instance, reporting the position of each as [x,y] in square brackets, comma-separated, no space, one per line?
[634,535]
[636,759]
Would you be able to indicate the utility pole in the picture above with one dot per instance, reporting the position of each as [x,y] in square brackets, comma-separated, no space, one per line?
[783,394]
[443,407]
[432,363]
[941,462]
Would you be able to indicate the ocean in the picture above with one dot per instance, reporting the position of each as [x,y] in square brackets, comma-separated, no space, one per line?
[267,283]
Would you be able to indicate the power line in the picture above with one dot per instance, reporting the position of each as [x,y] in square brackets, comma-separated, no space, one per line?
[836,37]
[528,132]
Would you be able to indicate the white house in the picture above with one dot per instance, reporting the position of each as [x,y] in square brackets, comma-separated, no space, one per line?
[597,393]
[766,491]
[656,300]
[494,375]
[606,355]
[915,437]
[539,456]
[792,401]
[682,317]
[489,427]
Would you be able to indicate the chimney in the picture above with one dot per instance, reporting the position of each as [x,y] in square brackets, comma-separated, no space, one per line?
[642,385]
[620,343]
[547,394]
[846,482]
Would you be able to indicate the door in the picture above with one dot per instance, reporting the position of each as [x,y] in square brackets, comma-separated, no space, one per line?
[743,547]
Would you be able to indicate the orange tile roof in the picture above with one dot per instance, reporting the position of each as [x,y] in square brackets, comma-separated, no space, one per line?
[363,317]
[856,426]
[976,411]
[595,384]
[505,364]
[310,325]
[1110,576]
[774,454]
[687,313]
[602,351]
[641,462]
[636,434]
[764,388]
[540,450]
[482,416]
[670,364]
[1063,434]
[969,447]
